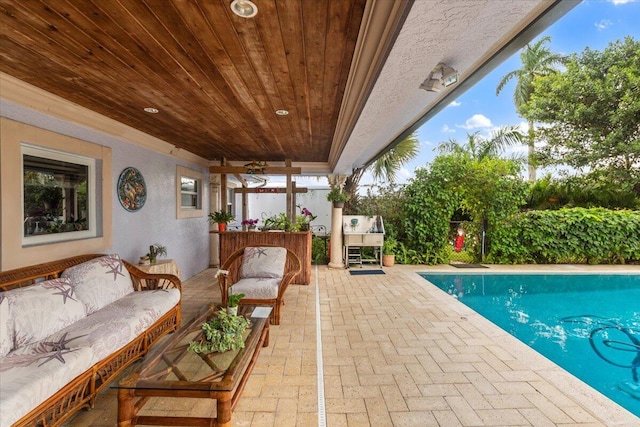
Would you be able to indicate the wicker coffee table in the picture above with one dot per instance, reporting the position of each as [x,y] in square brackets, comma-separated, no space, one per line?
[171,371]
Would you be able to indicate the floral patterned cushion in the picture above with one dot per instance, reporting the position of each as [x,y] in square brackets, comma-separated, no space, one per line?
[28,380]
[112,327]
[37,311]
[6,339]
[263,261]
[100,282]
[258,288]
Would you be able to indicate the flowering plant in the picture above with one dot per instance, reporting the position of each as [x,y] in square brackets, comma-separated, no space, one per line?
[307,215]
[250,222]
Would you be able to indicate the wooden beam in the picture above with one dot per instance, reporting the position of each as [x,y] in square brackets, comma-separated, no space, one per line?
[223,192]
[237,175]
[293,200]
[263,190]
[245,209]
[291,211]
[269,170]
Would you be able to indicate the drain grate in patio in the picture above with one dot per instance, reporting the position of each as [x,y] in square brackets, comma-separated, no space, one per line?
[364,272]
[468,266]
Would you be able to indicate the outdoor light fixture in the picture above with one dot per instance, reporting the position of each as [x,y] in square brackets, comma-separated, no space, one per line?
[244,8]
[256,167]
[431,84]
[448,74]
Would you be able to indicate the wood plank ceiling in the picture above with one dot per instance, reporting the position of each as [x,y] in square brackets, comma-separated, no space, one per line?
[216,78]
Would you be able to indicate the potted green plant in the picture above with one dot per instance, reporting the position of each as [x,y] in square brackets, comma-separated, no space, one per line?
[338,197]
[221,218]
[277,222]
[389,247]
[232,303]
[155,251]
[222,333]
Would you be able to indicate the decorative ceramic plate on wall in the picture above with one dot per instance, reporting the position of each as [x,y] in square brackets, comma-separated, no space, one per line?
[132,190]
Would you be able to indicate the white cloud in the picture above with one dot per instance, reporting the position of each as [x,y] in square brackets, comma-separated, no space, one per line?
[520,149]
[617,2]
[603,24]
[366,180]
[404,175]
[477,121]
[523,127]
[447,129]
[426,143]
[455,104]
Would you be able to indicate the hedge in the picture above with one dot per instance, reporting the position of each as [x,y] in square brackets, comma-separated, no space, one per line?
[574,235]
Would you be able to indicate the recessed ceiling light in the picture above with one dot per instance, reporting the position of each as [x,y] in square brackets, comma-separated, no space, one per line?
[151,110]
[282,112]
[244,8]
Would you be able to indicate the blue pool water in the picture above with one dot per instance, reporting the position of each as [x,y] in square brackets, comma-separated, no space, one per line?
[588,324]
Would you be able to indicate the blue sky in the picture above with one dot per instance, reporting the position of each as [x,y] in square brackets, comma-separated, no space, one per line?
[592,24]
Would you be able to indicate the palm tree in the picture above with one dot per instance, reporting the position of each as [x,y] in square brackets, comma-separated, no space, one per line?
[386,167]
[537,60]
[479,148]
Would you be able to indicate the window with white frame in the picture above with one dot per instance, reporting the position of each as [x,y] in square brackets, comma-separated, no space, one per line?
[58,196]
[231,201]
[189,192]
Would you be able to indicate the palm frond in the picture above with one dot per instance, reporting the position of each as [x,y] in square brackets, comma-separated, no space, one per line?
[389,164]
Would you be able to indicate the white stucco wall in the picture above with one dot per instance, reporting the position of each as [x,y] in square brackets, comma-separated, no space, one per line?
[187,240]
[262,206]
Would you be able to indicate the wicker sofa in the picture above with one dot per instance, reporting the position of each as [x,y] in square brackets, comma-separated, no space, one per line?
[68,327]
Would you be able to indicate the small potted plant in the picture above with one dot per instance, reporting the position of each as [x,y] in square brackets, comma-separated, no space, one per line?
[232,303]
[222,333]
[250,223]
[389,247]
[221,218]
[338,197]
[155,251]
[303,220]
[277,222]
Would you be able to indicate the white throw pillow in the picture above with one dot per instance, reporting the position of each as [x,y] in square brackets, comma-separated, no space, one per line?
[263,261]
[100,282]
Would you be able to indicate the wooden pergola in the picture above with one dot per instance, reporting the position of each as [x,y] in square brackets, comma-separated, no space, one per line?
[262,169]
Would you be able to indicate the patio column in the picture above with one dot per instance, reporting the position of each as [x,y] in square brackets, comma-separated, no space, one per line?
[336,239]
[336,260]
[214,205]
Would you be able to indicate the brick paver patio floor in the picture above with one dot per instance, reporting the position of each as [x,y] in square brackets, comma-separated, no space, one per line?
[396,351]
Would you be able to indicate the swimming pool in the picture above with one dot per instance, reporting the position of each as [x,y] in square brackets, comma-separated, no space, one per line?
[589,324]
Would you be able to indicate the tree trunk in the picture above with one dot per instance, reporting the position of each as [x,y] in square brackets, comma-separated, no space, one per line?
[532,151]
[351,188]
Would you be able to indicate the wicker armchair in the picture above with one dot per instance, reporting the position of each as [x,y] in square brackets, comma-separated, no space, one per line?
[262,286]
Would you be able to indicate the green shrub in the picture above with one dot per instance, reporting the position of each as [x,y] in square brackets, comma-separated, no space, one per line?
[486,190]
[318,251]
[595,189]
[576,235]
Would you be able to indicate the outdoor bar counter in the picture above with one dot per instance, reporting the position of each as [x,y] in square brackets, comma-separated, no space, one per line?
[298,242]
